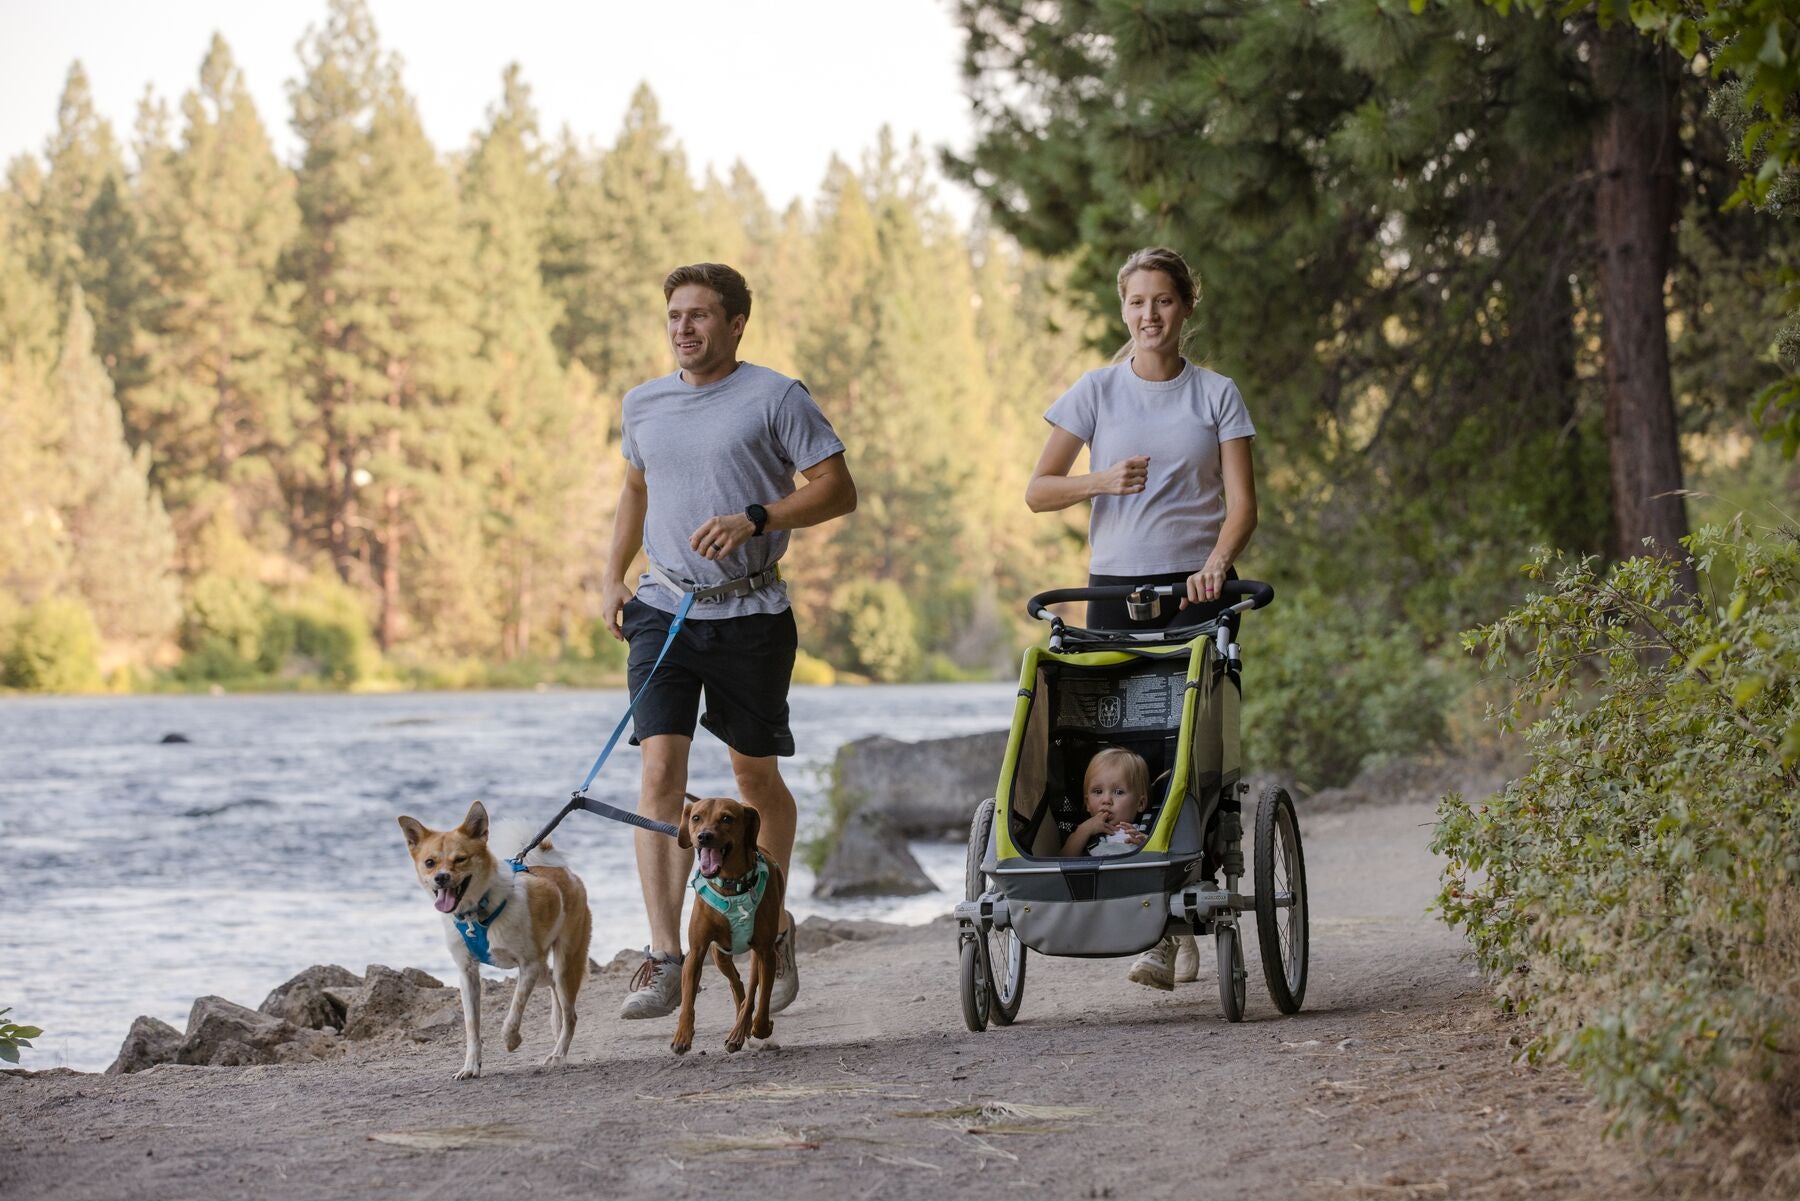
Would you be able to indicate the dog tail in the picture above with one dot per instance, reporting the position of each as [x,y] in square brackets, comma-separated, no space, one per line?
[507,835]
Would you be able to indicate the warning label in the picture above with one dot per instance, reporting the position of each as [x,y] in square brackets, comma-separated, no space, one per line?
[1133,703]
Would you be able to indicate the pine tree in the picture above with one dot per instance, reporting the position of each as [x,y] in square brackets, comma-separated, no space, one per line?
[619,226]
[122,546]
[216,345]
[524,459]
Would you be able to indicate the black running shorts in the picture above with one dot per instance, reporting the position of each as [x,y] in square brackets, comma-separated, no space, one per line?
[742,665]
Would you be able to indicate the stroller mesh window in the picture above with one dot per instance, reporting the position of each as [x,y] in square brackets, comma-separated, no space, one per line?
[1077,711]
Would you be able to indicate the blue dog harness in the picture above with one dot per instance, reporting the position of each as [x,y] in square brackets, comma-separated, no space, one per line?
[474,930]
[739,908]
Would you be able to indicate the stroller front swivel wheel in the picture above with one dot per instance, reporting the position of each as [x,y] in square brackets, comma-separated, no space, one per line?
[1232,975]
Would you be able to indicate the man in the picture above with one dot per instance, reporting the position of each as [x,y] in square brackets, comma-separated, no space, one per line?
[709,494]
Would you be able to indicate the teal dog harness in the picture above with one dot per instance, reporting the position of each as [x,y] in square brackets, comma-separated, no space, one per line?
[739,908]
[474,928]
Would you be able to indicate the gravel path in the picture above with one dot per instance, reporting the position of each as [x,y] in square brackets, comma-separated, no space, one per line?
[1396,1081]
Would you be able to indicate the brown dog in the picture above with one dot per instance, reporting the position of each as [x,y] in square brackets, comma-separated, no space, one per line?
[506,918]
[740,893]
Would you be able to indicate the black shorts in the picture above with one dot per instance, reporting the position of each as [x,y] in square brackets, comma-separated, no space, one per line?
[1111,614]
[743,665]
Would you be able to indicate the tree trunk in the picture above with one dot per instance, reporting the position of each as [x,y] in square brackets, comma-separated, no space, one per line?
[390,553]
[1636,157]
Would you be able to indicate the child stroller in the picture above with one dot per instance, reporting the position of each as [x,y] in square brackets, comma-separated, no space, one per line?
[1172,696]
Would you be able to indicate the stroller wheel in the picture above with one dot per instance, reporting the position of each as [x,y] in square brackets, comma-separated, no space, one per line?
[1005,978]
[1281,908]
[974,987]
[1232,975]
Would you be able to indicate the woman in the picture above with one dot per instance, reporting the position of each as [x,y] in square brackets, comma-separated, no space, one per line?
[1173,486]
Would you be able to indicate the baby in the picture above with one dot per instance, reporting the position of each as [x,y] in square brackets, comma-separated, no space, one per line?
[1115,791]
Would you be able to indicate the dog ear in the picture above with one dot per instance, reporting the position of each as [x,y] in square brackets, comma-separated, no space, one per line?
[752,830]
[475,825]
[414,830]
[683,839]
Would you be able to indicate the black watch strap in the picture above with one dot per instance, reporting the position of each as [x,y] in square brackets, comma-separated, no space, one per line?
[759,517]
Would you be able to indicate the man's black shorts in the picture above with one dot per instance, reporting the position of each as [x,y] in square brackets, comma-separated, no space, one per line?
[742,664]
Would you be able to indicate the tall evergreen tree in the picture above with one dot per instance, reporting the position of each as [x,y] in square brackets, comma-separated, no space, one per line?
[524,460]
[618,226]
[216,344]
[122,545]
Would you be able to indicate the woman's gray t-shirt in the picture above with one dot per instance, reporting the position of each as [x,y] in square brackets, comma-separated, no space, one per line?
[711,450]
[1174,523]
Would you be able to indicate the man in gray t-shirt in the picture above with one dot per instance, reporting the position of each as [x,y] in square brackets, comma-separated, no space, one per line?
[711,452]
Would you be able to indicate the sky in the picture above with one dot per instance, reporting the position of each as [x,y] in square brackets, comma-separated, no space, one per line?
[780,84]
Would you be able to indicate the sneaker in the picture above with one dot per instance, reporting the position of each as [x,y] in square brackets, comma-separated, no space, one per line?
[655,989]
[1187,959]
[1152,967]
[787,972]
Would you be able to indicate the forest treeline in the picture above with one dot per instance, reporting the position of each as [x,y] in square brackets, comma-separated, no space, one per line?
[357,416]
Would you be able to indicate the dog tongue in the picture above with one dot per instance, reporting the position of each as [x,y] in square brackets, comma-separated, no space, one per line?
[711,860]
[446,900]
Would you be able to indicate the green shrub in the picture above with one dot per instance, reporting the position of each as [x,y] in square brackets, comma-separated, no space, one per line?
[212,658]
[331,635]
[55,648]
[1635,891]
[1331,687]
[227,610]
[810,669]
[12,1037]
[876,625]
[605,651]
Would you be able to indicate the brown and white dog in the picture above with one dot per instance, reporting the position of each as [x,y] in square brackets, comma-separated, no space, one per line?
[723,835]
[507,918]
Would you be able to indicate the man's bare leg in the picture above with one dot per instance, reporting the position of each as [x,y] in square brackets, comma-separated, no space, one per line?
[662,865]
[760,784]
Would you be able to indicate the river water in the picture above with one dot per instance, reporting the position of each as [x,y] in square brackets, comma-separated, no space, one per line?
[137,875]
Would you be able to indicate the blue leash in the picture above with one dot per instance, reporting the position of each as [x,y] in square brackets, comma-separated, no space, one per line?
[579,798]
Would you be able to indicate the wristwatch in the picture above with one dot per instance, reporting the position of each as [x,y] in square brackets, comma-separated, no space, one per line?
[759,517]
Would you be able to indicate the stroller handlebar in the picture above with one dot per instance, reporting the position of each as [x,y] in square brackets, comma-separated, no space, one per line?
[1255,591]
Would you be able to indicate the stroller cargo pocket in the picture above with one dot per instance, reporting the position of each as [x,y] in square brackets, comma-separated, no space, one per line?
[1083,911]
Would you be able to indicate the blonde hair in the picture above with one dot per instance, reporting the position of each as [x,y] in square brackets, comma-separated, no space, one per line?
[1137,772]
[1171,264]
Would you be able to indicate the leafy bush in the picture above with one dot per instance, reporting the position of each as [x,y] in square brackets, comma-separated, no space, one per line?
[226,610]
[877,628]
[810,669]
[13,1037]
[1636,890]
[1331,686]
[55,647]
[331,634]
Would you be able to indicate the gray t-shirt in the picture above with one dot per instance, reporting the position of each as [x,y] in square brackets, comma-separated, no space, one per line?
[1174,523]
[711,450]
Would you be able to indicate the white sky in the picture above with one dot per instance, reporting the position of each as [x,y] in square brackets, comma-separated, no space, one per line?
[781,84]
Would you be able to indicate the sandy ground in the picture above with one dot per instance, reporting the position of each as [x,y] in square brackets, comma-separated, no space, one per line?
[1396,1081]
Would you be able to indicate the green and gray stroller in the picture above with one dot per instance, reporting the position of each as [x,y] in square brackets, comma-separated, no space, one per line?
[1172,696]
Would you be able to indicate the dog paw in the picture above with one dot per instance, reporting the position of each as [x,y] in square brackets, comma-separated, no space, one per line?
[553,1061]
[679,1047]
[513,1038]
[733,1045]
[469,1073]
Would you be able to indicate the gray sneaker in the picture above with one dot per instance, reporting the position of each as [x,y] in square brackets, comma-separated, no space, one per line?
[655,989]
[1152,968]
[787,973]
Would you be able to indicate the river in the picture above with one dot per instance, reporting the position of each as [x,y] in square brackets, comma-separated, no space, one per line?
[140,874]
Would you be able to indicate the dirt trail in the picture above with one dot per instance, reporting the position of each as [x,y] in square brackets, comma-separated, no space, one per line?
[1395,1081]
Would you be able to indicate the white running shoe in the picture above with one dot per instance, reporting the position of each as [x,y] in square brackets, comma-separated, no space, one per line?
[787,972]
[655,989]
[1152,967]
[1187,959]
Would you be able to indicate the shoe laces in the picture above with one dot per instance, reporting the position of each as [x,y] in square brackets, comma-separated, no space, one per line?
[645,976]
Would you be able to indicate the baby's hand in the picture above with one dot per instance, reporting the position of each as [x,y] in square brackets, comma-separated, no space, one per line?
[1133,835]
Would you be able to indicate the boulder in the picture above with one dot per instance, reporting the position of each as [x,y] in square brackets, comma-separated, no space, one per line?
[222,1033]
[924,789]
[870,858]
[172,738]
[390,1000]
[315,998]
[148,1043]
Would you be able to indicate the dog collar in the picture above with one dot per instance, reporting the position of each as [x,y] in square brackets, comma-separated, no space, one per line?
[473,924]
[739,908]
